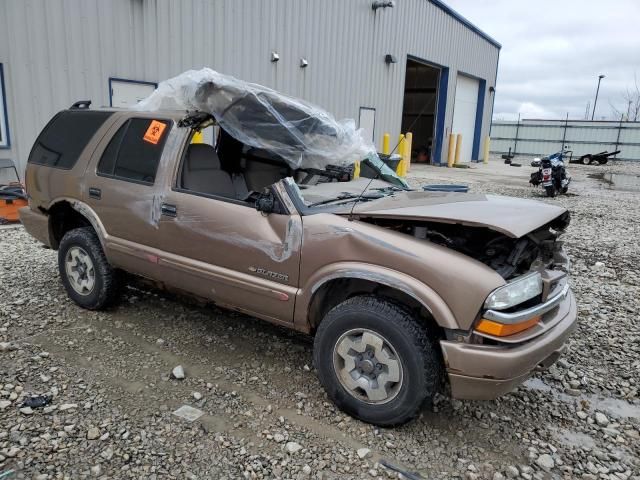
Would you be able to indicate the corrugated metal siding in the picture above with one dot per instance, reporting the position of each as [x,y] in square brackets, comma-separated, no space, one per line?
[542,137]
[58,51]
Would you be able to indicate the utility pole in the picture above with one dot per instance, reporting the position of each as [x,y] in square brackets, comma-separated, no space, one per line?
[600,77]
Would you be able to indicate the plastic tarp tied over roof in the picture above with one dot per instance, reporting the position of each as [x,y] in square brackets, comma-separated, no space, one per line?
[302,134]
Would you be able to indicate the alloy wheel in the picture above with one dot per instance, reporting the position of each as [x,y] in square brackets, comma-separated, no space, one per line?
[368,366]
[80,270]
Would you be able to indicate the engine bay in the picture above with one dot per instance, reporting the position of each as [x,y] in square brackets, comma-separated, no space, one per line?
[508,256]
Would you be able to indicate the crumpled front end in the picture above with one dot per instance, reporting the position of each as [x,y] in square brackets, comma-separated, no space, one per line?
[524,323]
[517,331]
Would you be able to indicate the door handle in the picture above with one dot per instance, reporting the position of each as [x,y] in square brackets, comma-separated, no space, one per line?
[169,210]
[95,193]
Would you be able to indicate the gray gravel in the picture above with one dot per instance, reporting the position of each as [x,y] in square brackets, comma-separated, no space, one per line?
[265,414]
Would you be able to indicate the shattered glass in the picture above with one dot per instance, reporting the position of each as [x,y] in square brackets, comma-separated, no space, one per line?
[304,135]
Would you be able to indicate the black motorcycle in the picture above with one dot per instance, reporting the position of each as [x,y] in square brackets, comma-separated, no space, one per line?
[552,174]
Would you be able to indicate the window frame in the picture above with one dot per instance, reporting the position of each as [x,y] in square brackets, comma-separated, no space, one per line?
[126,80]
[51,123]
[177,179]
[5,142]
[117,129]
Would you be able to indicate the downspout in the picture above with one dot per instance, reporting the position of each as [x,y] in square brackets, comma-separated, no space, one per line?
[493,99]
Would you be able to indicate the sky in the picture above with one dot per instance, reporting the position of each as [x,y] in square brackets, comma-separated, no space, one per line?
[553,51]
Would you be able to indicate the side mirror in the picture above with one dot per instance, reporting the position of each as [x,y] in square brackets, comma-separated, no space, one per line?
[266,203]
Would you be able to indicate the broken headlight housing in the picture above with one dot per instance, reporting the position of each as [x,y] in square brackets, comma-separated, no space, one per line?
[515,292]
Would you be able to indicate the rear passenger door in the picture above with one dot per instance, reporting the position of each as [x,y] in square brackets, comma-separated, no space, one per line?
[123,186]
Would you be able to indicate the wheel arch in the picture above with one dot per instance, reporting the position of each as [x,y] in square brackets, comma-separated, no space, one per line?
[65,214]
[332,288]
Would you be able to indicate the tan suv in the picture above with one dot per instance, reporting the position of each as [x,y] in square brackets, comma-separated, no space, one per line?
[401,288]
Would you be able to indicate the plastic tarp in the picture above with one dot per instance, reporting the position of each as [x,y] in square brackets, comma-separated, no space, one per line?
[302,134]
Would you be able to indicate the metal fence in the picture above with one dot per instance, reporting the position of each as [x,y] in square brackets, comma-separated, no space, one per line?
[542,137]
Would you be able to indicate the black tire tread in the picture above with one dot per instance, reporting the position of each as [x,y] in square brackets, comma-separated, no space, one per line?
[110,278]
[423,339]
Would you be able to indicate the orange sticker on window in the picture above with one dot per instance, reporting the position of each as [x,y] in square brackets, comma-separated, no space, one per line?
[154,132]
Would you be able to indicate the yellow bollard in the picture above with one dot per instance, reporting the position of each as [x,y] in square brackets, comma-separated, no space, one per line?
[456,161]
[409,138]
[385,143]
[452,149]
[356,169]
[197,138]
[401,146]
[485,155]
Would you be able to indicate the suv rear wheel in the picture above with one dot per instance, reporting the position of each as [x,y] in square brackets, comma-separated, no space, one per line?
[376,361]
[85,272]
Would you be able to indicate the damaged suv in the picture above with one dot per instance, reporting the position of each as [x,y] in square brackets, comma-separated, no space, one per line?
[290,216]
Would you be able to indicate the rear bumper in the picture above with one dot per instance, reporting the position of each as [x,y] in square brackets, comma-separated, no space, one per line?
[484,372]
[37,224]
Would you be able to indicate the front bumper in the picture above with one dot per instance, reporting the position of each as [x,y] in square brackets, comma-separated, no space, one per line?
[484,372]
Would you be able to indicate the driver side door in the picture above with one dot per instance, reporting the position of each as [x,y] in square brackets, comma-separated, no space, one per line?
[223,249]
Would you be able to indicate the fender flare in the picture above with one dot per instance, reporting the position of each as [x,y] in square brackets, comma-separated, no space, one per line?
[422,293]
[87,212]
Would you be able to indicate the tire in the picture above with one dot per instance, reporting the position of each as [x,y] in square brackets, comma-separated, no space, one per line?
[586,160]
[551,191]
[409,354]
[97,284]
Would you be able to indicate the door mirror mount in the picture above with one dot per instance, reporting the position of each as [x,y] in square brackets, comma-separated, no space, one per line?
[266,202]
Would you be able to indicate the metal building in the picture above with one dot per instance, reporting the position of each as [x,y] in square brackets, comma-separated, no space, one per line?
[384,67]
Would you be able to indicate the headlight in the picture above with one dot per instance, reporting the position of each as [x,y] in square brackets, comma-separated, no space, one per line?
[515,292]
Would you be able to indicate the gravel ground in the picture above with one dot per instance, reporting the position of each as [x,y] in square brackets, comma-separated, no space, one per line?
[266,415]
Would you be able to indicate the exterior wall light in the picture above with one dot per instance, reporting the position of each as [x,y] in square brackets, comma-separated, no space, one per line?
[275,57]
[382,4]
[304,63]
[388,59]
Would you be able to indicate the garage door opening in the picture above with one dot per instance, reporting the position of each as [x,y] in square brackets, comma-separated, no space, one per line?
[420,100]
[465,116]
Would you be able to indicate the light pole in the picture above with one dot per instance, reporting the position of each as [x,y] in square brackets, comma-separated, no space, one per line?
[600,77]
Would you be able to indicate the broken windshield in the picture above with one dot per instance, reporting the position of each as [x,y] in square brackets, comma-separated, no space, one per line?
[380,182]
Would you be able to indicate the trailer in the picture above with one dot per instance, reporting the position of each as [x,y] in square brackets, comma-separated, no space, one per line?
[594,158]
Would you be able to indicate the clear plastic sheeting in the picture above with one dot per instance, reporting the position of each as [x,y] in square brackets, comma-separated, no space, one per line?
[302,134]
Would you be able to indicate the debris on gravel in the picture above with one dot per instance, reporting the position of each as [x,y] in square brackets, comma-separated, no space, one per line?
[364,452]
[293,447]
[178,372]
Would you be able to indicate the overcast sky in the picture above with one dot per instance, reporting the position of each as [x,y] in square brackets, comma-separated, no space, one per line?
[554,50]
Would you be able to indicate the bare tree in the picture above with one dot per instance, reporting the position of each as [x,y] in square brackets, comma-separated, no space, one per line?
[632,103]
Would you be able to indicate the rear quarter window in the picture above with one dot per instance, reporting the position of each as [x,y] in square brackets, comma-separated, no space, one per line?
[65,137]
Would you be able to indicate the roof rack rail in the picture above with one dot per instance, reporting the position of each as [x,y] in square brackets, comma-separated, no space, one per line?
[81,104]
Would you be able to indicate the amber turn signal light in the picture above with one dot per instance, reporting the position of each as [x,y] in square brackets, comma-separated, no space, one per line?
[505,329]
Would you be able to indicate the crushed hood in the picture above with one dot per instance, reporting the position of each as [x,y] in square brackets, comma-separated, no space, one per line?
[303,134]
[514,217]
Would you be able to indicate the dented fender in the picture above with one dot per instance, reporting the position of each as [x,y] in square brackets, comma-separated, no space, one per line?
[421,292]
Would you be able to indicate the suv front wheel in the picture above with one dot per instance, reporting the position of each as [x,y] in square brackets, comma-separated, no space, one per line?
[87,276]
[376,361]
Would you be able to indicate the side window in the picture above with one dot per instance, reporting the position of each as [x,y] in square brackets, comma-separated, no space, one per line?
[65,136]
[134,151]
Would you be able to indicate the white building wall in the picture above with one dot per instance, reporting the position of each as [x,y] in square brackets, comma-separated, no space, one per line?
[55,52]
